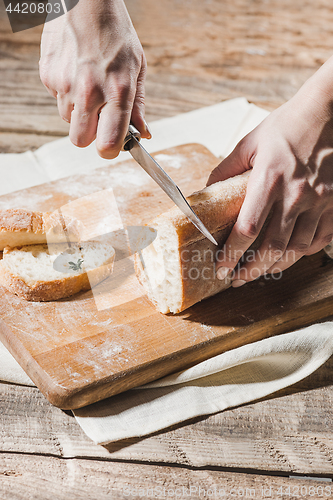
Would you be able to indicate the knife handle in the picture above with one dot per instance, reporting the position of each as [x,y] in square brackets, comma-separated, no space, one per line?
[128,141]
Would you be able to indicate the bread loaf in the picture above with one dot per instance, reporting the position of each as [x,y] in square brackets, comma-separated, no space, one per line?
[55,271]
[23,227]
[178,268]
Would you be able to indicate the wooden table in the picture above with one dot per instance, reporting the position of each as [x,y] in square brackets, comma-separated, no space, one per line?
[199,53]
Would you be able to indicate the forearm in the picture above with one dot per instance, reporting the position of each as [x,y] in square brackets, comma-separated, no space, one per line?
[316,93]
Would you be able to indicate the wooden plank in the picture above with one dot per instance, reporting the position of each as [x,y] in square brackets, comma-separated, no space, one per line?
[274,47]
[48,478]
[214,54]
[290,431]
[18,142]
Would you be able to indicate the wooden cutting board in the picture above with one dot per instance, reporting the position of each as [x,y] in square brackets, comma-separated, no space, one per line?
[81,350]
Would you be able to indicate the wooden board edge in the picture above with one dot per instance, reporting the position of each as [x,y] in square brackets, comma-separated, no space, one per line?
[70,399]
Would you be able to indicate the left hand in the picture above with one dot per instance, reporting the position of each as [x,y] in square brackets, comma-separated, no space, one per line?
[291,157]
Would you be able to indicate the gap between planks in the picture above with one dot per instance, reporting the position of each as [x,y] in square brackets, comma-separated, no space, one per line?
[210,468]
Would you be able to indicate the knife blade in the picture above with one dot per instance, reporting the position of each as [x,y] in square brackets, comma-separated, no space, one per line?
[156,172]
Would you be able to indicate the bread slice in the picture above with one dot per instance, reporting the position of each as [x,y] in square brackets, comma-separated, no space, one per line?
[23,227]
[51,272]
[178,268]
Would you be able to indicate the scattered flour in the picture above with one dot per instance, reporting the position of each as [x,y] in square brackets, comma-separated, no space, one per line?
[25,199]
[172,161]
[206,327]
[108,353]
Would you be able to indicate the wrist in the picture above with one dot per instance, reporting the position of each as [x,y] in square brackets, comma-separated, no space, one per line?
[317,92]
[92,25]
[103,12]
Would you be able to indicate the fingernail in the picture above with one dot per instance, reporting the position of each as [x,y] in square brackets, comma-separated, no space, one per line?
[238,283]
[148,130]
[222,273]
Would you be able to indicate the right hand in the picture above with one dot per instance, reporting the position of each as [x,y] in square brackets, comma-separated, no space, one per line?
[92,62]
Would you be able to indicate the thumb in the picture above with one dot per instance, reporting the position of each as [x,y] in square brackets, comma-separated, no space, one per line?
[236,163]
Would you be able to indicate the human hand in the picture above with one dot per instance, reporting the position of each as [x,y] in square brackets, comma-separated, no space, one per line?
[291,157]
[92,62]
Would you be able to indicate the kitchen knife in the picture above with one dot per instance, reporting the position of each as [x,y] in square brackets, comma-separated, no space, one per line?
[143,158]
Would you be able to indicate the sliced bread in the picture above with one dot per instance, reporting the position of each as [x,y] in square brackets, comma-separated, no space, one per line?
[24,227]
[178,268]
[55,271]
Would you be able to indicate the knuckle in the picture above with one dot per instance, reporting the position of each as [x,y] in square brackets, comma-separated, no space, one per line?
[247,231]
[277,248]
[57,82]
[88,96]
[44,74]
[319,242]
[123,94]
[327,239]
[299,247]
[64,85]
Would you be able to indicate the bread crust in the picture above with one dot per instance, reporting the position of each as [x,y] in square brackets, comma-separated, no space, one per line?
[218,207]
[20,227]
[45,291]
[21,220]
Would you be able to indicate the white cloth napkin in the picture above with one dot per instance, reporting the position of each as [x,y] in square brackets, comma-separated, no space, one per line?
[230,379]
[236,377]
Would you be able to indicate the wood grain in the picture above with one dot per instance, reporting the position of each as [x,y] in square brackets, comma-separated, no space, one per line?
[291,432]
[29,478]
[77,353]
[198,53]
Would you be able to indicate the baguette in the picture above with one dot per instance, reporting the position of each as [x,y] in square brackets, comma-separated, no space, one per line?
[23,227]
[177,269]
[51,272]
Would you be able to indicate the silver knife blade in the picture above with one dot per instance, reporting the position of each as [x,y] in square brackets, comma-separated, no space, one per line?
[157,173]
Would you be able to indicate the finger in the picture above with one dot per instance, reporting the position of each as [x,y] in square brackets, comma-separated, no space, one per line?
[276,239]
[83,126]
[236,163]
[46,80]
[255,209]
[299,243]
[65,107]
[138,111]
[84,117]
[324,233]
[114,121]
